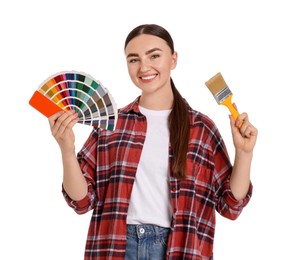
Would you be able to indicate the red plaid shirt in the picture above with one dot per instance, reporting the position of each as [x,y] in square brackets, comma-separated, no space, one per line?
[109,161]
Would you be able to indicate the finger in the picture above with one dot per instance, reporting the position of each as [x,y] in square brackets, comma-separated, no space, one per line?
[251,131]
[63,121]
[244,128]
[70,125]
[233,126]
[242,122]
[247,132]
[242,119]
[53,118]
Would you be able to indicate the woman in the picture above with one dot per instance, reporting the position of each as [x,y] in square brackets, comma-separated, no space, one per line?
[155,182]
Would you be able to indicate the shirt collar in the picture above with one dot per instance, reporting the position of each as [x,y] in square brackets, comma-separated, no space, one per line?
[132,107]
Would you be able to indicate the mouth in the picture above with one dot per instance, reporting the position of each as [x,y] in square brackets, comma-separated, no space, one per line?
[148,77]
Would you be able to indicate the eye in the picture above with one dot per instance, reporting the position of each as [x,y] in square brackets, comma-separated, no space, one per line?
[154,56]
[133,60]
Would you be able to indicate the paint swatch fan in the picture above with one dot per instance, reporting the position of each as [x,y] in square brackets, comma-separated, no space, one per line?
[77,91]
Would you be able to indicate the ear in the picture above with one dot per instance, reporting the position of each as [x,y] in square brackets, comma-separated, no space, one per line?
[174,60]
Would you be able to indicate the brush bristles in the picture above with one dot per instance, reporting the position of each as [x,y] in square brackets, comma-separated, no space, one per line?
[218,87]
[216,83]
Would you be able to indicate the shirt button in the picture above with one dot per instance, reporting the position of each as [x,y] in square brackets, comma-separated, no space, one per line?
[141,230]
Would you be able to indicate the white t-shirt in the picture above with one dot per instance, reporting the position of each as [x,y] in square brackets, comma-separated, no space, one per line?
[150,199]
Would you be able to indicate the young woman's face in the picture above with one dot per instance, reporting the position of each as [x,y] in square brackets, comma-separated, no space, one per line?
[150,61]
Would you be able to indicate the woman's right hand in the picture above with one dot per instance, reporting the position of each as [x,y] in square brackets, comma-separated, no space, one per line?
[61,126]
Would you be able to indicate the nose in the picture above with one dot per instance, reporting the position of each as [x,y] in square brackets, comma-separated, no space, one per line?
[144,66]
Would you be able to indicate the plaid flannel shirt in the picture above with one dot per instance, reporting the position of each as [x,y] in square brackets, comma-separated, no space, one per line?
[109,161]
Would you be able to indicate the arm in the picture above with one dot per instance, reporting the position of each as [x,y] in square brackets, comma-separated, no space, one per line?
[61,125]
[244,140]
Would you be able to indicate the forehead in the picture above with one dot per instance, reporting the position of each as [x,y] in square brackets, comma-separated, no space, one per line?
[145,42]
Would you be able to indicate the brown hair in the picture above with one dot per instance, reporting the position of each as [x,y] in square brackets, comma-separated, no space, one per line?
[179,116]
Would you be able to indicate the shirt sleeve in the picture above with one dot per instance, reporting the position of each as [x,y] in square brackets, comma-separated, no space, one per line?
[226,204]
[87,158]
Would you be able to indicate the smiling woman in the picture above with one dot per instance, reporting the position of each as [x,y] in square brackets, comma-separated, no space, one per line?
[150,70]
[155,182]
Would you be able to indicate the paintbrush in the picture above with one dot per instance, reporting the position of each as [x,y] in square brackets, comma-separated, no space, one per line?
[222,93]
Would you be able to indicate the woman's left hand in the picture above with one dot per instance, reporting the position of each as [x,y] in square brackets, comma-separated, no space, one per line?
[245,136]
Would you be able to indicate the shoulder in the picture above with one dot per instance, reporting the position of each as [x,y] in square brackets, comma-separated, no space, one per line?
[198,118]
[203,127]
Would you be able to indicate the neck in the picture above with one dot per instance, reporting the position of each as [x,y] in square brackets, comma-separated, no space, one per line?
[156,101]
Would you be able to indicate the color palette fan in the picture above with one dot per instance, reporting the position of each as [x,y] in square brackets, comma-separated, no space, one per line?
[71,90]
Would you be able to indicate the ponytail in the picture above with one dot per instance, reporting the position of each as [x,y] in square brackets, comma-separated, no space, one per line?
[179,133]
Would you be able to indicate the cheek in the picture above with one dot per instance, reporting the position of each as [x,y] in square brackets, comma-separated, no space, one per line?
[132,67]
[132,74]
[166,64]
[131,71]
[165,68]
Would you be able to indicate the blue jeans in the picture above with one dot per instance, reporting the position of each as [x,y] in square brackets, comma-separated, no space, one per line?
[146,242]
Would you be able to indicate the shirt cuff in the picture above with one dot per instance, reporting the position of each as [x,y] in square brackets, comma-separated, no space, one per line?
[232,202]
[80,206]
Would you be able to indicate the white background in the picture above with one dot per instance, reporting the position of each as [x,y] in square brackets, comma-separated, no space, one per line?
[250,42]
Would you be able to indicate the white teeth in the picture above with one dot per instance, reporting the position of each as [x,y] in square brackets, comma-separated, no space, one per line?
[148,77]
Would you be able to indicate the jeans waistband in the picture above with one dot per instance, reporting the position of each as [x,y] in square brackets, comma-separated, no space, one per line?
[146,230]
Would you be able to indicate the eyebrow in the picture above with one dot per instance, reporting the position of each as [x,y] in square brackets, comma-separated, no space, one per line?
[148,52]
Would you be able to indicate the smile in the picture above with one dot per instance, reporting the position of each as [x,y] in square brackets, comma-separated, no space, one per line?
[148,77]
